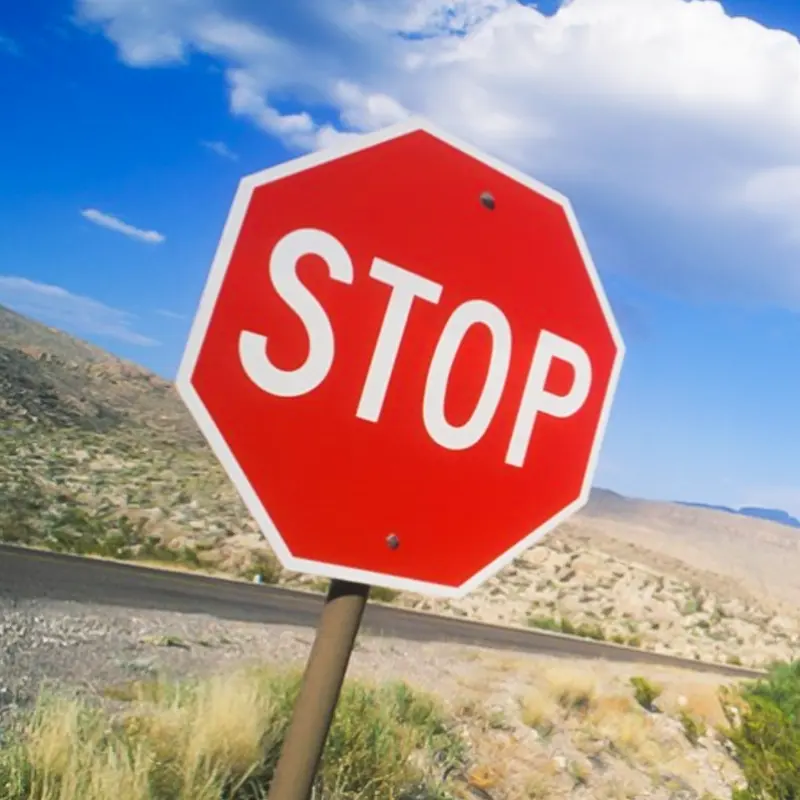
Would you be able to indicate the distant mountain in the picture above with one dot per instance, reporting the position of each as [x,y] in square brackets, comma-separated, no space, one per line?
[769,514]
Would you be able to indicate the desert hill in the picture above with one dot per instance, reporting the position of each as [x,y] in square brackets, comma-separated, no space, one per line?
[53,379]
[98,455]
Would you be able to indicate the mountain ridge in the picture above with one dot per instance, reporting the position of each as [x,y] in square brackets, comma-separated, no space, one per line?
[776,515]
[48,376]
[99,456]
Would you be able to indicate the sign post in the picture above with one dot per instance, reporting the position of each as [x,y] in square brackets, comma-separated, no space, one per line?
[405,360]
[319,691]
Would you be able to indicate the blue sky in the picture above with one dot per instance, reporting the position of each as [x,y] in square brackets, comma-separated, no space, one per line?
[673,125]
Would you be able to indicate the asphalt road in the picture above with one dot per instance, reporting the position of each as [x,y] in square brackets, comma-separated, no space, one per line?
[32,574]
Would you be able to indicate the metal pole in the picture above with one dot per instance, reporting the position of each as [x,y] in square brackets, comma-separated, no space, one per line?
[319,691]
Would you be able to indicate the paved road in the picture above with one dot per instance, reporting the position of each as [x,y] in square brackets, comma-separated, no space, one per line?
[30,574]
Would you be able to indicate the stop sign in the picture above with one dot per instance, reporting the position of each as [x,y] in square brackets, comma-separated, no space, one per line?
[404,359]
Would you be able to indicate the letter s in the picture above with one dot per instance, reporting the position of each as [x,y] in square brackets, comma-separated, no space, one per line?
[283,273]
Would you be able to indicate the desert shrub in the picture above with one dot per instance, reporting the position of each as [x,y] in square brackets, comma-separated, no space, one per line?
[589,630]
[645,692]
[383,594]
[586,630]
[693,728]
[568,627]
[544,623]
[265,564]
[764,731]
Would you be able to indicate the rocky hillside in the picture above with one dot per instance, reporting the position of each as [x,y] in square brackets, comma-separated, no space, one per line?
[98,455]
[54,380]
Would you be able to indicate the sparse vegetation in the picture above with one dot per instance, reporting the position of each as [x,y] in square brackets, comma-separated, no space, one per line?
[586,630]
[575,730]
[574,690]
[98,457]
[538,711]
[645,692]
[383,594]
[764,730]
[220,738]
[544,623]
[693,727]
[263,564]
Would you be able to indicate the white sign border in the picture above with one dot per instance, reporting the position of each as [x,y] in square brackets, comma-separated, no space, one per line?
[220,447]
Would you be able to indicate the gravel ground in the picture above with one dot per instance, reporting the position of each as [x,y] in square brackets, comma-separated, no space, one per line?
[82,649]
[86,647]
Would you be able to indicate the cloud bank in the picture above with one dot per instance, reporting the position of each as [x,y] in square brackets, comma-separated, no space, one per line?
[673,126]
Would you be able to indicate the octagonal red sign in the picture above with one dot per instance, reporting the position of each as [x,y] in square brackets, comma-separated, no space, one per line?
[404,359]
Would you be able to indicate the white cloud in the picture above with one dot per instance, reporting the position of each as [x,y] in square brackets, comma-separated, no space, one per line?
[673,126]
[163,312]
[116,224]
[57,306]
[221,149]
[247,100]
[774,192]
[362,111]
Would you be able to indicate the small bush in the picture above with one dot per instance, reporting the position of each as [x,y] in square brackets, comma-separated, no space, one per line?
[544,623]
[585,630]
[645,692]
[693,728]
[383,595]
[567,627]
[691,606]
[189,557]
[590,631]
[265,564]
[152,550]
[764,730]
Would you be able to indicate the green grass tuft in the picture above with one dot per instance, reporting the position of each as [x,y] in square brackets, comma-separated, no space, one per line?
[219,739]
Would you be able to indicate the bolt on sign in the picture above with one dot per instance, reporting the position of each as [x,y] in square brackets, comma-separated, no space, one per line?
[405,361]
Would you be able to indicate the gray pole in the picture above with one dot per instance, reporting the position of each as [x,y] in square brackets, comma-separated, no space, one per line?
[319,691]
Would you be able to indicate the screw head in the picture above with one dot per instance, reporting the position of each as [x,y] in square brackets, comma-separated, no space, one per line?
[393,541]
[487,200]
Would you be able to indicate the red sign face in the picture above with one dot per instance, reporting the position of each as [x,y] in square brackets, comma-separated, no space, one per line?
[404,359]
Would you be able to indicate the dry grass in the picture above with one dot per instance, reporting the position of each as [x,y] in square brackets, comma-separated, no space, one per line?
[574,689]
[697,699]
[575,730]
[539,710]
[631,735]
[592,737]
[217,738]
[540,786]
[619,788]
